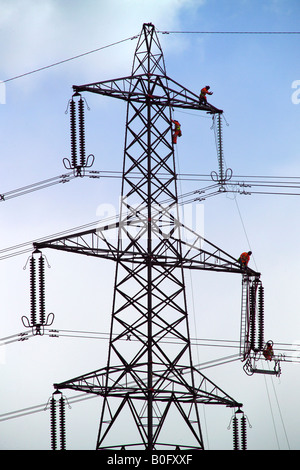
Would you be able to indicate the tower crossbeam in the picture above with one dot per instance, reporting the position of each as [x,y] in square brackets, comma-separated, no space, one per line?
[127,381]
[199,254]
[139,88]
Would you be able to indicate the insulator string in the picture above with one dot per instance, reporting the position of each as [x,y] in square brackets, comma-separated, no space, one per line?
[73,134]
[252,316]
[33,291]
[53,434]
[235,433]
[57,428]
[62,423]
[37,295]
[261,317]
[42,290]
[81,132]
[220,149]
[243,433]
[239,427]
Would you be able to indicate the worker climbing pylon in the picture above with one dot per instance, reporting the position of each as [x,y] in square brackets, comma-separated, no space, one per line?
[244,259]
[205,91]
[177,131]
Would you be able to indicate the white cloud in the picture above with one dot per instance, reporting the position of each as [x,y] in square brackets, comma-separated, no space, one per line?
[36,33]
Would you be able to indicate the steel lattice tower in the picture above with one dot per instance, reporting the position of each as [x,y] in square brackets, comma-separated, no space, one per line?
[149,380]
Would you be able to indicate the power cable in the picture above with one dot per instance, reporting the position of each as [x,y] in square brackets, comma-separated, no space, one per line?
[69,59]
[283,348]
[38,408]
[229,32]
[135,37]
[27,246]
[235,185]
[232,185]
[65,178]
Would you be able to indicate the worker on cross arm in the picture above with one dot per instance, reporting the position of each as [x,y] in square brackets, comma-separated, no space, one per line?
[177,131]
[244,259]
[205,91]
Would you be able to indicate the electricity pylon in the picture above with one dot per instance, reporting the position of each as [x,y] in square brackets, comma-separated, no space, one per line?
[149,385]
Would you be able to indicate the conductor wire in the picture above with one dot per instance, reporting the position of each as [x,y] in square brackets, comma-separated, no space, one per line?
[68,60]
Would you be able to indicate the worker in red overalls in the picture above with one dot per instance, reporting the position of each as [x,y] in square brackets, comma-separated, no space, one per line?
[244,259]
[268,351]
[204,92]
[177,131]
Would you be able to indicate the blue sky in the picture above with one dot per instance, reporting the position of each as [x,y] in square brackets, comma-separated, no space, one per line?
[254,80]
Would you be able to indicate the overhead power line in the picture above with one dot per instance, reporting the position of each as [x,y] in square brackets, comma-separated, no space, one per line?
[229,32]
[237,183]
[78,56]
[28,246]
[289,352]
[244,185]
[69,59]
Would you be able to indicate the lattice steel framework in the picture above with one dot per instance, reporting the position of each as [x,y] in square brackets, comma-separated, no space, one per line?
[149,384]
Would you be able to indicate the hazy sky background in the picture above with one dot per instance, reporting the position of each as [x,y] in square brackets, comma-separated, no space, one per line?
[256,81]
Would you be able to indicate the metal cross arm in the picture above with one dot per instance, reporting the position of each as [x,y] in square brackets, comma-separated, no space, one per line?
[158,90]
[122,382]
[89,242]
[168,250]
[203,254]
